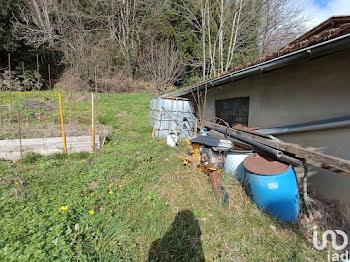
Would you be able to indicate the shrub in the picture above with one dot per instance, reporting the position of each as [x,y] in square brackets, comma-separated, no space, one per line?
[20,82]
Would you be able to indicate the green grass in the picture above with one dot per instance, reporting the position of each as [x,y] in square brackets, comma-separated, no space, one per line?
[147,205]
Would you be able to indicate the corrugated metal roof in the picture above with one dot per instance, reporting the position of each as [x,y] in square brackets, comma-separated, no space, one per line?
[332,28]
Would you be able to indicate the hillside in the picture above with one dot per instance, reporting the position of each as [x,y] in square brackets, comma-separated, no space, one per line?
[133,201]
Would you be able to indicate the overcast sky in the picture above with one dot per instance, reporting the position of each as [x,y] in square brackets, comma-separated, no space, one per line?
[319,10]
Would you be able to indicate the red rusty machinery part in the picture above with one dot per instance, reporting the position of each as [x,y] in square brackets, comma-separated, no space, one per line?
[218,188]
[263,165]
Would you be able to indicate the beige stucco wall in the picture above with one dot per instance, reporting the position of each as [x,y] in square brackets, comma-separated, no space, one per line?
[307,91]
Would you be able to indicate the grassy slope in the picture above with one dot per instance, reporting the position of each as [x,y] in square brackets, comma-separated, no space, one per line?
[156,190]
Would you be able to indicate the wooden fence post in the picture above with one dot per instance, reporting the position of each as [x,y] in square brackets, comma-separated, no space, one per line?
[62,123]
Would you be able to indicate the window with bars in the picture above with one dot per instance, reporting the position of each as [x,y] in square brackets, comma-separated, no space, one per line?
[233,110]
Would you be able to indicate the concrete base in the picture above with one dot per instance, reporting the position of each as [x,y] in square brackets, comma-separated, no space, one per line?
[10,149]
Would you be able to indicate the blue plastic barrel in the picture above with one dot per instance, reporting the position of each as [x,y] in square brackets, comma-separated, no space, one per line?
[273,186]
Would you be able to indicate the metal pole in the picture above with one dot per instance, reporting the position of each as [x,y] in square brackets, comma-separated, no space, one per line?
[38,83]
[1,103]
[49,72]
[37,71]
[20,143]
[71,93]
[50,86]
[259,147]
[62,123]
[96,89]
[265,148]
[92,121]
[24,80]
[309,126]
[25,88]
[10,86]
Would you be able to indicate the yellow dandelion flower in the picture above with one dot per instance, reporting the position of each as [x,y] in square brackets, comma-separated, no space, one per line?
[82,173]
[92,194]
[103,195]
[36,187]
[117,194]
[64,208]
[110,211]
[91,212]
[110,192]
[166,203]
[17,183]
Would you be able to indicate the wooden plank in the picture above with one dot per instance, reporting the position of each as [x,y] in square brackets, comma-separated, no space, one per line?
[331,163]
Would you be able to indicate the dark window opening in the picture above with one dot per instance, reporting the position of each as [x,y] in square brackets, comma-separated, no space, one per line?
[234,110]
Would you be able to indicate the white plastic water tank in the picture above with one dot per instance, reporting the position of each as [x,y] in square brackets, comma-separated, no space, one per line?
[167,114]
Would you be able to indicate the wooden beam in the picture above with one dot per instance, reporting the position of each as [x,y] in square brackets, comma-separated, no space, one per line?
[236,142]
[331,163]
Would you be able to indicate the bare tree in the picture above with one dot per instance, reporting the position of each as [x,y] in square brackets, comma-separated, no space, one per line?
[282,21]
[161,65]
[224,37]
[225,28]
[96,34]
[46,22]
[123,26]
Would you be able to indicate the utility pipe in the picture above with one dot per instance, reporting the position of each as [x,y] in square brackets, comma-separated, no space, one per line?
[276,153]
[260,147]
[309,126]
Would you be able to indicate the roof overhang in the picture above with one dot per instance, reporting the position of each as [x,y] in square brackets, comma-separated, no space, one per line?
[308,53]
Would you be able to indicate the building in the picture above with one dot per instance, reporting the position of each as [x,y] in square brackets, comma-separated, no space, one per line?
[307,80]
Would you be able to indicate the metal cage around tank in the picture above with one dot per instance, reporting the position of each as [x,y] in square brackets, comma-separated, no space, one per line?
[169,114]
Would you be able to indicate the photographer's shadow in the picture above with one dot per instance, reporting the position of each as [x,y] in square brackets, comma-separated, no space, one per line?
[182,242]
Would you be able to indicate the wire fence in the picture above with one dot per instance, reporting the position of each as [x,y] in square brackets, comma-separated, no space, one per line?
[40,114]
[39,109]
